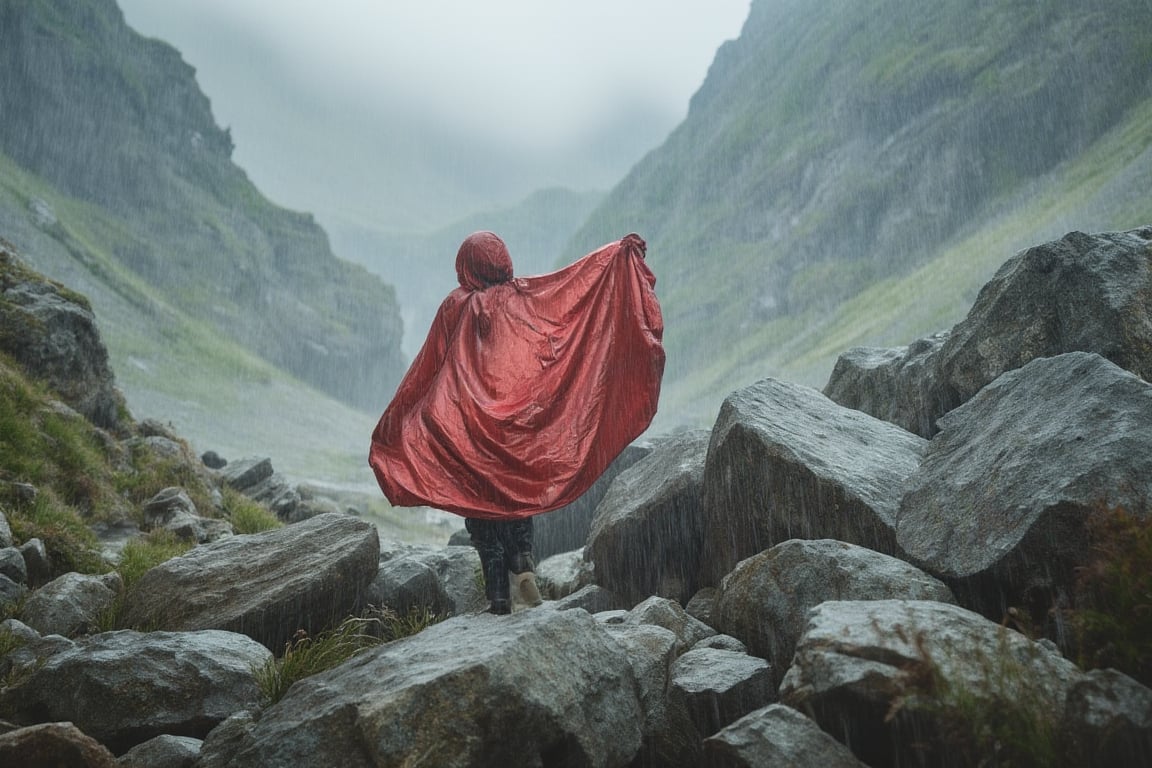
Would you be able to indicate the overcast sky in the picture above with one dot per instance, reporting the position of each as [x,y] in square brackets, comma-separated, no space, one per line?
[352,103]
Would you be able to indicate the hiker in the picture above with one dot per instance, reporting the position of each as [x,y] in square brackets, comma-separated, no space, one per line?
[525,390]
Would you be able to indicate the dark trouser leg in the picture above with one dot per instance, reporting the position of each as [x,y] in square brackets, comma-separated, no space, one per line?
[516,538]
[487,541]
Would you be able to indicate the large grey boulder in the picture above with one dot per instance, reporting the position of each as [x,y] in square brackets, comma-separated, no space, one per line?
[53,336]
[442,580]
[884,676]
[123,688]
[567,528]
[999,505]
[309,576]
[785,462]
[765,600]
[539,687]
[717,687]
[894,384]
[775,735]
[645,538]
[71,604]
[1086,293]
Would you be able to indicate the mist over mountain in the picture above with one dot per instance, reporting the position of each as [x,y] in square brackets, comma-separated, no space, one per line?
[852,173]
[423,266]
[141,190]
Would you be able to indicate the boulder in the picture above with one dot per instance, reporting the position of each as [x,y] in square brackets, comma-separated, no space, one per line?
[36,561]
[563,574]
[268,585]
[592,598]
[164,751]
[894,385]
[645,538]
[775,735]
[785,462]
[173,510]
[567,528]
[51,332]
[765,600]
[71,604]
[709,689]
[245,474]
[12,565]
[53,745]
[999,504]
[702,605]
[651,651]
[1082,293]
[126,687]
[538,687]
[440,579]
[668,614]
[1108,721]
[6,539]
[11,593]
[890,678]
[29,648]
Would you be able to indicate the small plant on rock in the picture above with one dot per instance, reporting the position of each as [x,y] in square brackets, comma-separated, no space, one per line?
[248,515]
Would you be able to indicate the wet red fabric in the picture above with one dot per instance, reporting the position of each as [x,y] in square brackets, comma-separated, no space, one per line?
[526,388]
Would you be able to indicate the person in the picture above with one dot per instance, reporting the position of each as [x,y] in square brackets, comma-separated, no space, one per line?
[524,391]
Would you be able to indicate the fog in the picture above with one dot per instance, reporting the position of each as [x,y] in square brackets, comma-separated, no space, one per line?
[405,116]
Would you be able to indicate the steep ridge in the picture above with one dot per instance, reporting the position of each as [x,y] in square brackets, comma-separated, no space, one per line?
[835,147]
[133,178]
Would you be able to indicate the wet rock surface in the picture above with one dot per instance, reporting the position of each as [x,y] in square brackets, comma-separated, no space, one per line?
[1081,293]
[472,690]
[268,585]
[765,600]
[123,688]
[645,538]
[786,462]
[1000,502]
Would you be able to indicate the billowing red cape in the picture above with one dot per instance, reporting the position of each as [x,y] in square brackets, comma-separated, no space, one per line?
[526,389]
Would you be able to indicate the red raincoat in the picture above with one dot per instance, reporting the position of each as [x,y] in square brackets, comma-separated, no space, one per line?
[526,389]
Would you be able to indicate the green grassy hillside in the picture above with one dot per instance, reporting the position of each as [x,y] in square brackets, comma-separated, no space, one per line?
[142,191]
[852,173]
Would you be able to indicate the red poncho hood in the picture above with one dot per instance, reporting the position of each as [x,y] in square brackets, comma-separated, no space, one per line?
[526,389]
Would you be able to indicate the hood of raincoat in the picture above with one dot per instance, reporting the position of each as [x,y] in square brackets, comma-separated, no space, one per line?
[483,261]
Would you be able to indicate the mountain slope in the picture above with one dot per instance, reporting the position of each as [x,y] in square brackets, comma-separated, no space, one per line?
[854,153]
[139,187]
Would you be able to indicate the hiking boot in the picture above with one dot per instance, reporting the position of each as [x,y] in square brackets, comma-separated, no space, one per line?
[523,568]
[524,587]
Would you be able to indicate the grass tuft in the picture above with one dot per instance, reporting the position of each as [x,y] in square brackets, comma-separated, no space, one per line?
[306,655]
